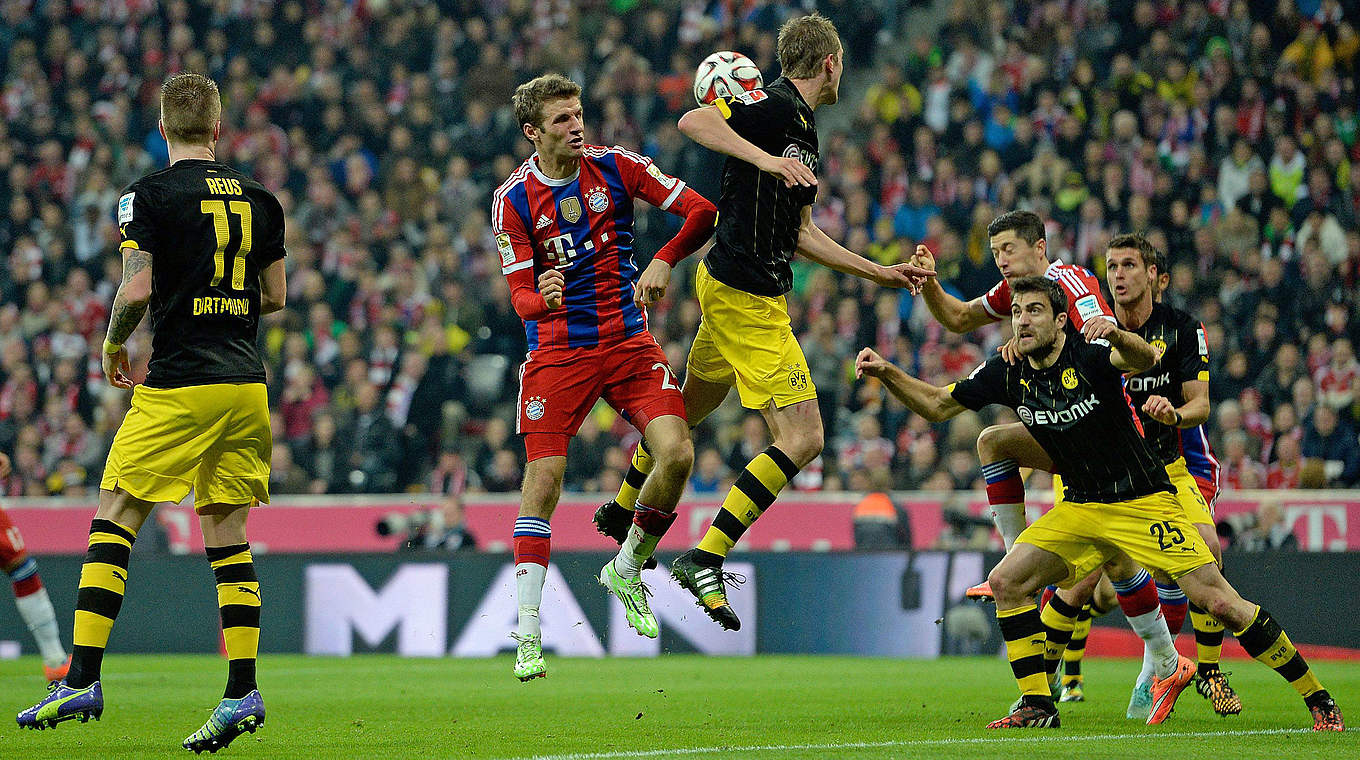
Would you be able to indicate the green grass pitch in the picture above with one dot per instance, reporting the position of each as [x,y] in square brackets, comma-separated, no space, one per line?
[675,706]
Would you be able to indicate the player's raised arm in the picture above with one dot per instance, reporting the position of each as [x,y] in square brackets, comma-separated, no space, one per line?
[129,305]
[708,126]
[817,246]
[931,402]
[956,315]
[1128,352]
[1195,391]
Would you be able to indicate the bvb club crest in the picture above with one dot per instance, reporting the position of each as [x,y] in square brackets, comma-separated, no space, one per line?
[798,380]
[571,209]
[1159,348]
[1069,378]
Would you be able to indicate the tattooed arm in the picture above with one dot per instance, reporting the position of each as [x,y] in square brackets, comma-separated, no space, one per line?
[129,305]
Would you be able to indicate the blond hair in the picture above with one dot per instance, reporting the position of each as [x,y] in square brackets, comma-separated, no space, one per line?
[190,106]
[805,42]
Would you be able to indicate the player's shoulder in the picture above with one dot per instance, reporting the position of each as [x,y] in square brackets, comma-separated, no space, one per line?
[615,153]
[1172,316]
[1074,278]
[518,177]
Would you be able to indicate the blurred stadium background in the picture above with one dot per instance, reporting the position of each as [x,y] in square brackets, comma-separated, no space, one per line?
[1225,130]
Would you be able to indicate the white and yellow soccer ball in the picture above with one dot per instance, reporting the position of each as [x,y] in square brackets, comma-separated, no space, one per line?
[725,74]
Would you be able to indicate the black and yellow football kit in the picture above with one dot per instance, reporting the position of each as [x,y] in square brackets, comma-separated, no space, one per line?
[201,419]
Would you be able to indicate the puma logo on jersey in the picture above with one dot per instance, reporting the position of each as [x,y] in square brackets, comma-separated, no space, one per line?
[248,590]
[543,221]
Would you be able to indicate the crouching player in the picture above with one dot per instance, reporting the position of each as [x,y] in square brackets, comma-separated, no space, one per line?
[1119,505]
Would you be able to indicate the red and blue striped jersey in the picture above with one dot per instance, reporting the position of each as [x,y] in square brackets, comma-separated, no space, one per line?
[1084,300]
[583,227]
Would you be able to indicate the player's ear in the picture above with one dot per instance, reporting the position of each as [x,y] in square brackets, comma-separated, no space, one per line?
[217,129]
[530,131]
[160,127]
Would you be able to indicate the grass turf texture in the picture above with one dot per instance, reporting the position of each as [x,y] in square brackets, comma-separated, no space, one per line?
[675,706]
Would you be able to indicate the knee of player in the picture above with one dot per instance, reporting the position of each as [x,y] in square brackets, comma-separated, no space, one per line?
[676,455]
[807,445]
[1003,585]
[990,443]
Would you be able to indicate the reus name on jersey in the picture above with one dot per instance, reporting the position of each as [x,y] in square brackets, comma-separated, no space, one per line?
[210,231]
[1079,413]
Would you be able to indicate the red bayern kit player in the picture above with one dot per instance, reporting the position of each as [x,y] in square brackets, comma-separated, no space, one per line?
[564,229]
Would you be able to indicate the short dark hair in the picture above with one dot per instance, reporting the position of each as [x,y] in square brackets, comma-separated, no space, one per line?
[1151,256]
[1028,225]
[190,106]
[1057,297]
[804,42]
[529,97]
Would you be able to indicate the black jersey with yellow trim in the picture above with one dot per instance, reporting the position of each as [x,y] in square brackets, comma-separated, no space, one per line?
[1079,413]
[210,231]
[1182,357]
[758,215]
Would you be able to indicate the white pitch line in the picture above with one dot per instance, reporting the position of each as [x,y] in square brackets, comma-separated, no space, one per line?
[1028,738]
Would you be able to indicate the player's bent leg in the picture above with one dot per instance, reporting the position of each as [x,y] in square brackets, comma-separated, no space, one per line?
[103,580]
[798,434]
[1003,450]
[1263,639]
[532,541]
[1212,683]
[652,517]
[1015,579]
[1060,620]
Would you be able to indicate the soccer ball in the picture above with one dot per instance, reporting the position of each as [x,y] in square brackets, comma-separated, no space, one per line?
[723,75]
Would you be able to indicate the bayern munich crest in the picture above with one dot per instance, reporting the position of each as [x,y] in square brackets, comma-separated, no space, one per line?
[597,199]
[535,408]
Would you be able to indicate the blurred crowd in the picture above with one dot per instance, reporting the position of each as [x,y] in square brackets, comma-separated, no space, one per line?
[1227,131]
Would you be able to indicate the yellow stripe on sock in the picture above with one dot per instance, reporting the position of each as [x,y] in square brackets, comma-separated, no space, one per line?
[109,538]
[716,542]
[91,629]
[1057,621]
[642,460]
[242,642]
[1203,622]
[247,593]
[103,575]
[235,559]
[768,473]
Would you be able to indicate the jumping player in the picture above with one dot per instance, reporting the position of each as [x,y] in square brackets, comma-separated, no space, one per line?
[1118,505]
[744,339]
[564,228]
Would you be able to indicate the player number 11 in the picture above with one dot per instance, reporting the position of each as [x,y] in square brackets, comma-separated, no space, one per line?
[222,226]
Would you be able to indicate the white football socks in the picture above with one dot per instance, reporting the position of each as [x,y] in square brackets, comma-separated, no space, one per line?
[529,578]
[41,619]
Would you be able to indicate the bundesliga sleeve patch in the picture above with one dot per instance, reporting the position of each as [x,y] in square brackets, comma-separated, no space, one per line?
[1088,307]
[660,176]
[125,208]
[751,97]
[1203,343]
[507,250]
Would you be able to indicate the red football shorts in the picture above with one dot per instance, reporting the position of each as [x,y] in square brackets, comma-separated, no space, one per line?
[1209,489]
[11,543]
[558,388]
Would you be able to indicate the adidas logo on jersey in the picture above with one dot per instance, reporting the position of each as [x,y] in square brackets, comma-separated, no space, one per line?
[543,221]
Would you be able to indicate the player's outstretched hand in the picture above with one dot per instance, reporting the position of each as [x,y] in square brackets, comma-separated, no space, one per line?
[1161,409]
[870,363]
[651,286]
[118,369]
[791,170]
[1098,328]
[909,276]
[550,287]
